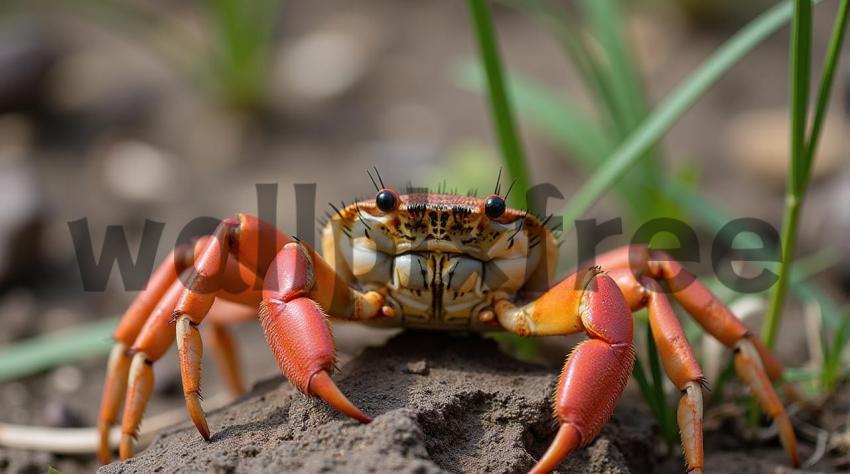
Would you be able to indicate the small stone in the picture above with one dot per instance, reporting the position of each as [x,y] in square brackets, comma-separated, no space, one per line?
[419,367]
[325,63]
[137,171]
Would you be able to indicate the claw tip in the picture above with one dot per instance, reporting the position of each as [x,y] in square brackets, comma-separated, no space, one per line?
[565,441]
[322,386]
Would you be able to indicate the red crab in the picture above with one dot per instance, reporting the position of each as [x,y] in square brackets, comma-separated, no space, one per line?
[436,261]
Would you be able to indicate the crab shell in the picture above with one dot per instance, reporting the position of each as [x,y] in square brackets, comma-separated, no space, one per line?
[439,260]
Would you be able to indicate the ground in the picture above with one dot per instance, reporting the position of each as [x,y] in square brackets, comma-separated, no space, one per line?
[441,403]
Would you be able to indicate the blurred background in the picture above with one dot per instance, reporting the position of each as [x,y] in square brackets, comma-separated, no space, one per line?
[126,111]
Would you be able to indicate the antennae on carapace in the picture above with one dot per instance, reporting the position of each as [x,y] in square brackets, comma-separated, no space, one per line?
[373,181]
[509,189]
[380,180]
[498,182]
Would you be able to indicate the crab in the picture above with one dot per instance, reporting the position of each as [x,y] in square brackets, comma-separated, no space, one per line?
[435,261]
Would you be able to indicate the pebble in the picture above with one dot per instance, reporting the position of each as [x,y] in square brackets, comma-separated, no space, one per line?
[137,171]
[325,63]
[419,367]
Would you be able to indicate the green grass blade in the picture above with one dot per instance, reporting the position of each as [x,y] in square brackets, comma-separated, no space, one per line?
[653,128]
[499,105]
[716,217]
[835,43]
[801,45]
[243,43]
[606,23]
[61,347]
[620,71]
[561,26]
[572,129]
[801,69]
[665,420]
[646,390]
[831,371]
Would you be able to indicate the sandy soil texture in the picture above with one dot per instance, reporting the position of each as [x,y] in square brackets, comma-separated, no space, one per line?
[441,403]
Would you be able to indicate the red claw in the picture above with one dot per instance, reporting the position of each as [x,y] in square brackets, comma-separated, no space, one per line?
[322,386]
[565,442]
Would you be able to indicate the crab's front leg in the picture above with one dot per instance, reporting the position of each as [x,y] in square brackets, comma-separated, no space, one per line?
[299,290]
[297,328]
[597,370]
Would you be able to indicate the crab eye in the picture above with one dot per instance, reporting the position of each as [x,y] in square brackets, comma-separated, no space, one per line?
[386,200]
[494,206]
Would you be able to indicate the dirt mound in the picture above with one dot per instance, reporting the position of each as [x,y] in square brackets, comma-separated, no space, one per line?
[440,403]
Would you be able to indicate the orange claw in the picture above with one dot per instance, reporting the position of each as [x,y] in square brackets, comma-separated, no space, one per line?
[322,386]
[567,439]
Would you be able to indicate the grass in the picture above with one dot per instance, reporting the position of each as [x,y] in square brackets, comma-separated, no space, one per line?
[803,147]
[500,106]
[672,107]
[590,142]
[57,348]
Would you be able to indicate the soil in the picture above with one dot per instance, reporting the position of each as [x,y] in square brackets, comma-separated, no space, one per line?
[441,403]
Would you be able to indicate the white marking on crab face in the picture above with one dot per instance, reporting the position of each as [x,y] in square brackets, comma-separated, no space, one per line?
[462,274]
[412,272]
[374,226]
[368,264]
[507,274]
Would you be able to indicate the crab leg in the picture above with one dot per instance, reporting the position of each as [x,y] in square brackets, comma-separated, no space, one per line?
[597,370]
[681,367]
[152,342]
[115,385]
[299,288]
[754,363]
[153,339]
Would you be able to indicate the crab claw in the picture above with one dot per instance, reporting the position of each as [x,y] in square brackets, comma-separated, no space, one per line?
[297,329]
[565,441]
[322,386]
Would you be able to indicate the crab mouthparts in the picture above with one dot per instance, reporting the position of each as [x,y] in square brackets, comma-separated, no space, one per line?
[434,244]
